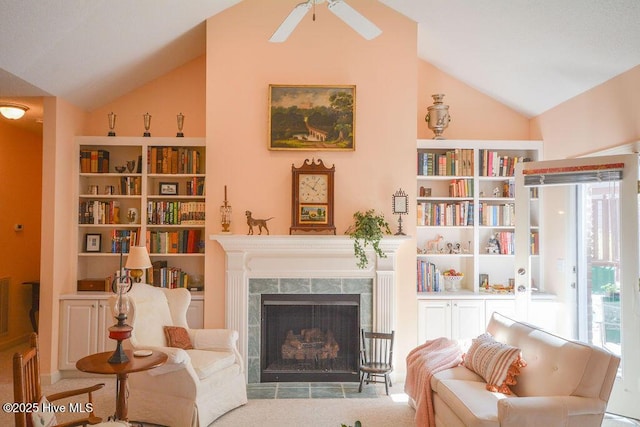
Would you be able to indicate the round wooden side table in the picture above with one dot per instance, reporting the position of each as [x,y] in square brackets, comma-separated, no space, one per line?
[98,364]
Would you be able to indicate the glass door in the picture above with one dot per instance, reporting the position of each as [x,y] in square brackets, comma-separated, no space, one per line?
[599,288]
[600,293]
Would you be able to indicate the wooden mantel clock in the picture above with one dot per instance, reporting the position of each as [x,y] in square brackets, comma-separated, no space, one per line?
[312,198]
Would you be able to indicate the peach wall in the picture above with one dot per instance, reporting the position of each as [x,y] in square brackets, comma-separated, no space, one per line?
[62,121]
[241,63]
[474,115]
[605,116]
[179,91]
[20,173]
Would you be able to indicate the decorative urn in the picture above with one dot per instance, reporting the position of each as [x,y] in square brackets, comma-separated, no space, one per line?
[438,117]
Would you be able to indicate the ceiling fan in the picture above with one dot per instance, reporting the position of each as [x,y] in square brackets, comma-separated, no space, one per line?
[342,10]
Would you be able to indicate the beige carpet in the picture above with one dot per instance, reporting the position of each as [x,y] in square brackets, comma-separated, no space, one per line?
[376,412]
[371,412]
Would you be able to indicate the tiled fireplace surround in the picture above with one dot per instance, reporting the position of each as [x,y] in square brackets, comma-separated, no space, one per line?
[302,265]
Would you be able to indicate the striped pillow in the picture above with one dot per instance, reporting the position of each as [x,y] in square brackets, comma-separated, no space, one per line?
[497,363]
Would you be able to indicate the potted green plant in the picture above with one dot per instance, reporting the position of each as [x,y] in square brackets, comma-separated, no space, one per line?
[611,292]
[368,230]
[357,424]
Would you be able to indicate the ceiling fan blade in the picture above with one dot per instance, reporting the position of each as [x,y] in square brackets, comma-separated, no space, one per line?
[290,23]
[354,19]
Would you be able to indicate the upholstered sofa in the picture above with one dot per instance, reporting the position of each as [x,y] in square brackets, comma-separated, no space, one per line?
[196,385]
[564,383]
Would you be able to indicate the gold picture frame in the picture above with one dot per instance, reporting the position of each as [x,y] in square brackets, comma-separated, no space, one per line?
[312,117]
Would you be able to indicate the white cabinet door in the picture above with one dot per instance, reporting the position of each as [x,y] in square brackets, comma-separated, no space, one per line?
[467,318]
[455,319]
[78,331]
[106,319]
[195,314]
[434,317]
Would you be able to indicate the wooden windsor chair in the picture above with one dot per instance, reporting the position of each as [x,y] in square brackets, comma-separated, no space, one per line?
[376,358]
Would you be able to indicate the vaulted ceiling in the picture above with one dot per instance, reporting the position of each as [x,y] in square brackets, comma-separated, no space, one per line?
[529,55]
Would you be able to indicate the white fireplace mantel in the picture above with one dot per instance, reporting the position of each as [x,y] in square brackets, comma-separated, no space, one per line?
[304,256]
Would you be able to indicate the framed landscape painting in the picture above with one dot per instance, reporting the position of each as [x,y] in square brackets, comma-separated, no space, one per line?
[312,117]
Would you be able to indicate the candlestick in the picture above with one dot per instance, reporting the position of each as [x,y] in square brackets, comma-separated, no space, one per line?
[225,213]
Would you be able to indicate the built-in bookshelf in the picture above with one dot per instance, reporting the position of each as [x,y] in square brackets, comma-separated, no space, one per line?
[142,191]
[465,211]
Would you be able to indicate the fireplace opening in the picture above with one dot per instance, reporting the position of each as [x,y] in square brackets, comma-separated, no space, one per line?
[310,337]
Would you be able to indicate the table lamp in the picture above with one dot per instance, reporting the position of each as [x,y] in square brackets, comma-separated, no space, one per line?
[137,260]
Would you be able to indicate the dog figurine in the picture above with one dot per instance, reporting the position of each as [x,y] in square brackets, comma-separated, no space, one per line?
[260,223]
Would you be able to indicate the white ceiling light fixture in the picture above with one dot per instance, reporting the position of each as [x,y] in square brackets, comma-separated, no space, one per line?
[342,10]
[12,111]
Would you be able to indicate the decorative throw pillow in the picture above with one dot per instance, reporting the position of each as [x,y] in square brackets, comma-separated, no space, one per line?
[497,363]
[178,336]
[44,416]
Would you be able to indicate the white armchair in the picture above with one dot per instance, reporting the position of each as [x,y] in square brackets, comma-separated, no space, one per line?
[195,386]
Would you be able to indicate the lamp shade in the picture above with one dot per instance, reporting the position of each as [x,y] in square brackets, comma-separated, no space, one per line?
[13,111]
[138,258]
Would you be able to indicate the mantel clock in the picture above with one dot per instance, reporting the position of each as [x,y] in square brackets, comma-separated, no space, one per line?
[312,198]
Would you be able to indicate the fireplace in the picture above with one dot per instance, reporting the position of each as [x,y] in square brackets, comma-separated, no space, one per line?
[310,337]
[257,265]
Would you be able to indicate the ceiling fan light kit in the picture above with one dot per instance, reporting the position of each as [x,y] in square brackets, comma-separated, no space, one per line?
[342,10]
[12,111]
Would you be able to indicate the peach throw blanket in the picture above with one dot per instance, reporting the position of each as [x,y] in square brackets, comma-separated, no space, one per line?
[422,363]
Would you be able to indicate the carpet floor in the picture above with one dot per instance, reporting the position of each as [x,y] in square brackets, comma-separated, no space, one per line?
[281,405]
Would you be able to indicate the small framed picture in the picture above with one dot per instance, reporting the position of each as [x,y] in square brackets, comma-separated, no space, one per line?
[168,189]
[313,214]
[400,203]
[92,242]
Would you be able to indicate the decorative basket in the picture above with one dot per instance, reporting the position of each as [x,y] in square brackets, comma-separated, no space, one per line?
[453,283]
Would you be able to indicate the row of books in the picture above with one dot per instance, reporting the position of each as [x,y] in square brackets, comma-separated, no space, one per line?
[443,213]
[534,243]
[457,162]
[195,186]
[162,212]
[123,240]
[461,188]
[99,212]
[130,185]
[504,240]
[497,215]
[493,164]
[94,161]
[164,276]
[173,160]
[175,242]
[430,279]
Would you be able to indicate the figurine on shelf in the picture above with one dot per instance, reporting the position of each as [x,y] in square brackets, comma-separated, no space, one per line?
[453,248]
[493,246]
[260,223]
[432,245]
